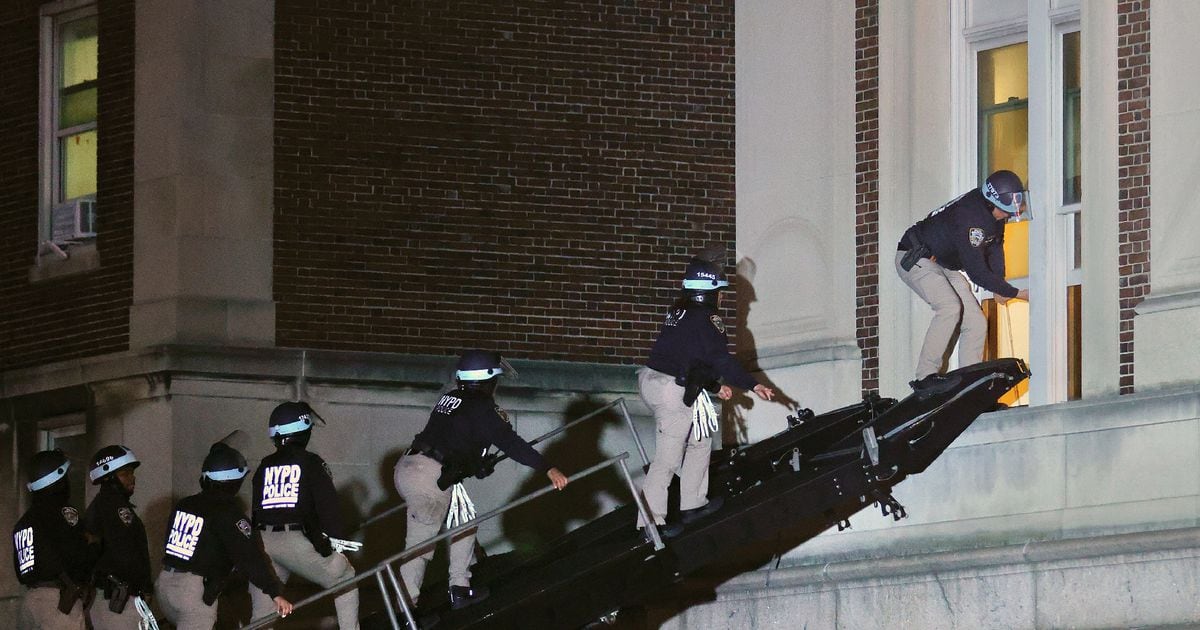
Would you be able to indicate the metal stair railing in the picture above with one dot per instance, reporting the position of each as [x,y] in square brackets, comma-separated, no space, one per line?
[385,568]
[620,402]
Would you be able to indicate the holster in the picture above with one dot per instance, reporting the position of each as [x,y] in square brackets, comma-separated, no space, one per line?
[916,251]
[68,592]
[117,594]
[212,590]
[700,375]
[319,540]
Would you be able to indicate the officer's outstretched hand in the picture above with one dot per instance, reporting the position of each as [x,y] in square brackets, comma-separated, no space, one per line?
[725,393]
[559,480]
[764,392]
[283,606]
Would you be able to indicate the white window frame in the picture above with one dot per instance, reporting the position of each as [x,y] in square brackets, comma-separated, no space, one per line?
[1050,238]
[53,15]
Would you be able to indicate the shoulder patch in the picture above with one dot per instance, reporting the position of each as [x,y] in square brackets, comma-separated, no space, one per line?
[975,235]
[126,515]
[503,414]
[325,465]
[244,526]
[70,515]
[716,322]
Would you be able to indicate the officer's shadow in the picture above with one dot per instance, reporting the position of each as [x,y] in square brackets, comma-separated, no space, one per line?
[735,411]
[545,519]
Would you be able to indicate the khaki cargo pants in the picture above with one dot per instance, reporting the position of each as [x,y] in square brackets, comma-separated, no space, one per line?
[416,478]
[181,598]
[39,611]
[949,293]
[676,451]
[291,552]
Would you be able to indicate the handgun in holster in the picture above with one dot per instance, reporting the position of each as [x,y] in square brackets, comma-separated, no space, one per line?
[916,251]
[117,594]
[68,592]
[212,590]
[700,375]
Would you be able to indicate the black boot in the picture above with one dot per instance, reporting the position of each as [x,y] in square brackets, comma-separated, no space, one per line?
[690,516]
[933,384]
[463,596]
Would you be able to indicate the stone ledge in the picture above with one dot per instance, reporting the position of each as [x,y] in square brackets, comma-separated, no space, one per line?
[1042,552]
[316,366]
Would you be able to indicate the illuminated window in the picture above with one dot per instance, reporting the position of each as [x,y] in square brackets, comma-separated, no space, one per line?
[1069,209]
[1003,102]
[70,63]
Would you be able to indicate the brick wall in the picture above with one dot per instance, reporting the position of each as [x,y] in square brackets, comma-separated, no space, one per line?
[866,194]
[526,176]
[1133,177]
[81,315]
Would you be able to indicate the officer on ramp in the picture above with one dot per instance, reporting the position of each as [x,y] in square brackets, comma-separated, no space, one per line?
[122,573]
[50,552]
[296,509]
[209,535]
[690,358]
[453,446]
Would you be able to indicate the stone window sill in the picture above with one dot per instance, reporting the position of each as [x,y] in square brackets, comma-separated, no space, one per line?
[80,258]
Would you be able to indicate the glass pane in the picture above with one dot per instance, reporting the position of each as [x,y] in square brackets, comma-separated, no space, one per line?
[1008,336]
[1076,241]
[78,108]
[1006,138]
[1074,343]
[1003,75]
[77,154]
[78,41]
[1072,185]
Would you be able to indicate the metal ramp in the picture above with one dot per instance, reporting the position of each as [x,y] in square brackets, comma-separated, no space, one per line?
[779,492]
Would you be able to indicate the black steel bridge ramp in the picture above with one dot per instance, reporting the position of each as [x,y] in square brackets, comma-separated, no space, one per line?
[778,493]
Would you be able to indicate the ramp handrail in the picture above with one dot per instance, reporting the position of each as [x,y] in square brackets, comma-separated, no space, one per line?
[637,441]
[385,567]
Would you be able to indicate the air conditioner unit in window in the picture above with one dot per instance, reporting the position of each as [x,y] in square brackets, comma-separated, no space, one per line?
[73,220]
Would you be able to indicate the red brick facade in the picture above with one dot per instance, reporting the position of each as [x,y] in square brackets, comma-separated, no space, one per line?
[81,315]
[1133,131]
[526,176]
[866,194]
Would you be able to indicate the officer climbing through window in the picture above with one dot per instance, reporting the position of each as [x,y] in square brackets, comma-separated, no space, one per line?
[122,573]
[453,446]
[966,234]
[689,359]
[296,508]
[208,535]
[50,552]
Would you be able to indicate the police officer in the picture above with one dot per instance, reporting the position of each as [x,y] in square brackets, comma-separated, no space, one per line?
[208,536]
[50,553]
[122,574]
[689,358]
[296,509]
[966,234]
[464,423]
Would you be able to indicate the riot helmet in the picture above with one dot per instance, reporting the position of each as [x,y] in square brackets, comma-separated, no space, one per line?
[292,423]
[224,467]
[1004,190]
[481,370]
[109,460]
[47,469]
[704,277]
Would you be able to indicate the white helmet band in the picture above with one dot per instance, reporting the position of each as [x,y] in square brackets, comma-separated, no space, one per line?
[48,478]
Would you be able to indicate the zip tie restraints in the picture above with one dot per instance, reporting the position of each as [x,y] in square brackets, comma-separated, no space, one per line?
[148,621]
[704,416]
[461,508]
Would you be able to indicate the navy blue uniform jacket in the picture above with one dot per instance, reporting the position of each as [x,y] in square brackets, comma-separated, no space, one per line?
[964,236]
[696,333]
[294,486]
[208,534]
[48,542]
[464,423]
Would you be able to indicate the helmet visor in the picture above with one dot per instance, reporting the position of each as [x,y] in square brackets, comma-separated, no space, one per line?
[1019,208]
